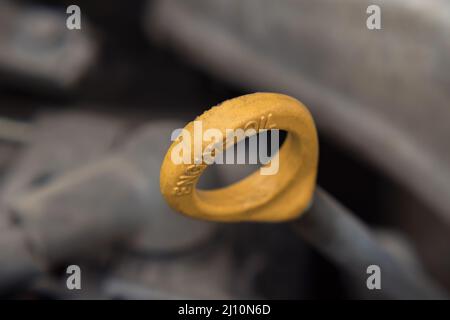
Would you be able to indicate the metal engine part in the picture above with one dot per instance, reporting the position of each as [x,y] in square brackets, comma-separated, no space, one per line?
[82,195]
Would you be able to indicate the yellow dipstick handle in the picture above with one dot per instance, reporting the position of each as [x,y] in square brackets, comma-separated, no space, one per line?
[271,198]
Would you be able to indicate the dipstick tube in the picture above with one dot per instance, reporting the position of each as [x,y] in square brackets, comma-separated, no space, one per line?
[338,235]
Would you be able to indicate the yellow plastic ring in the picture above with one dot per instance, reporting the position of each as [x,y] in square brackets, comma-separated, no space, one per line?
[280,197]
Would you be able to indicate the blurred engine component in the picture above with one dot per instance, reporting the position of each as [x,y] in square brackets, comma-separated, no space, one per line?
[38,51]
[146,150]
[82,194]
[383,93]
